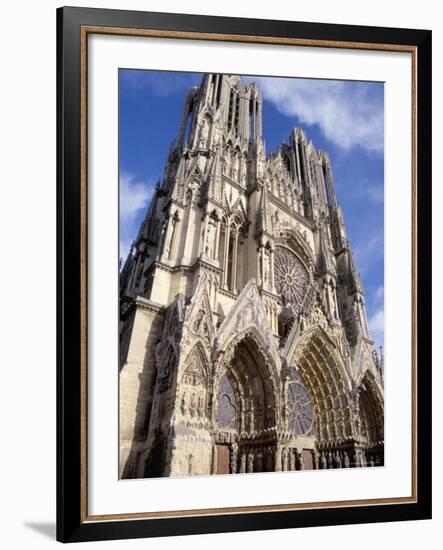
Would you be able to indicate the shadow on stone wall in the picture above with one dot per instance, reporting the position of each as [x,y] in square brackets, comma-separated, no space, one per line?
[144,399]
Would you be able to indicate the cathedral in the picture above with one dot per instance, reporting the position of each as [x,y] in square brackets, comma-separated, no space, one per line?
[244,342]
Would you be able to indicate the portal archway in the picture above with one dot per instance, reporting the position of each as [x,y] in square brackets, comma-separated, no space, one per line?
[329,386]
[370,419]
[247,409]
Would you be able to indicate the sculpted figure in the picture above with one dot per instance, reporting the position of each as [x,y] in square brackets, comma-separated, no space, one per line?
[301,462]
[250,462]
[338,460]
[323,462]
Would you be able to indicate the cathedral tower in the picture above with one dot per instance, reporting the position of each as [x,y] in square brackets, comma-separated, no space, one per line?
[244,340]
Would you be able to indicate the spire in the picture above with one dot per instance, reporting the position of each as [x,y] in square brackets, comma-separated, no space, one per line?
[354,281]
[128,259]
[149,224]
[176,190]
[125,271]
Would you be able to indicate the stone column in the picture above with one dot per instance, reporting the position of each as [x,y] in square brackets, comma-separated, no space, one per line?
[250,462]
[272,269]
[301,463]
[243,462]
[217,239]
[203,235]
[234,458]
[261,270]
[291,460]
[234,263]
[253,129]
[225,259]
[284,459]
[278,461]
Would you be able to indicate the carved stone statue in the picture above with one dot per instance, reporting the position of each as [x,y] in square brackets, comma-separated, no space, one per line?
[250,462]
[301,463]
[323,462]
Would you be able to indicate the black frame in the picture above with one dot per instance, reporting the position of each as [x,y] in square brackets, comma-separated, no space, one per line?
[70,527]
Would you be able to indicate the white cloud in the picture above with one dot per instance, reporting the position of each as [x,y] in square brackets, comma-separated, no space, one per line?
[163,84]
[134,199]
[369,251]
[134,196]
[379,294]
[376,193]
[377,326]
[348,113]
[376,321]
[125,245]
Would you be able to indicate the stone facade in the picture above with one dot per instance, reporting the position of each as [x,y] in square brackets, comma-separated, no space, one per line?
[244,339]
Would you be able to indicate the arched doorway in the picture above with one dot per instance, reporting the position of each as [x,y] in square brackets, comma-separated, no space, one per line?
[370,421]
[329,386]
[246,411]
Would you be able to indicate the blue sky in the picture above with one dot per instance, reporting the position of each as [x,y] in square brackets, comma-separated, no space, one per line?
[343,118]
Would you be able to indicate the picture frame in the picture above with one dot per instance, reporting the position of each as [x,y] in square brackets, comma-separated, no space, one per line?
[74,212]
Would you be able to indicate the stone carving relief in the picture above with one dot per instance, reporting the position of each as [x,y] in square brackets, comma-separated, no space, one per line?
[198,317]
[210,238]
[248,312]
[193,402]
[204,134]
[267,267]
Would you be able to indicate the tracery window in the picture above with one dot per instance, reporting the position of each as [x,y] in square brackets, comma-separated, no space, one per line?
[230,253]
[290,277]
[300,408]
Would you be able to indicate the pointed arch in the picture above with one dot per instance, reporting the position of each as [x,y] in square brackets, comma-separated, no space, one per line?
[371,409]
[329,385]
[198,356]
[198,319]
[238,211]
[248,315]
[254,375]
[255,337]
[232,237]
[294,240]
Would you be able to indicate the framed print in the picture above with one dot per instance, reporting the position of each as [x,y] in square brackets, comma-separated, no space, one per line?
[244,274]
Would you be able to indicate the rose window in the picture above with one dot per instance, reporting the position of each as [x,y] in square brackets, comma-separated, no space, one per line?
[290,277]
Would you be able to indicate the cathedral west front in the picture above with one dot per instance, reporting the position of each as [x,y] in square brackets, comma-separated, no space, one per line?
[244,342]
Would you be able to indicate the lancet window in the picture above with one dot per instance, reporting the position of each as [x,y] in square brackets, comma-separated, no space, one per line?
[231,256]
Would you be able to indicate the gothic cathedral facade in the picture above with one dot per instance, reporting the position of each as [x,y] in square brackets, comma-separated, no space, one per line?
[244,342]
